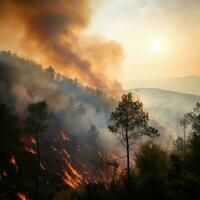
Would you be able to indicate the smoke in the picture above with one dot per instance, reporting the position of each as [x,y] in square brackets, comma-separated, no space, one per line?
[166,109]
[78,132]
[51,33]
[77,108]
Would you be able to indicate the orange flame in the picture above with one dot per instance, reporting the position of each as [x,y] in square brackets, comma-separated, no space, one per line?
[13,160]
[69,180]
[30,150]
[21,196]
[33,140]
[74,171]
[64,136]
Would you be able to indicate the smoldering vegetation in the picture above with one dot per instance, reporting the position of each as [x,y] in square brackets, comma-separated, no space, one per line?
[79,157]
[77,141]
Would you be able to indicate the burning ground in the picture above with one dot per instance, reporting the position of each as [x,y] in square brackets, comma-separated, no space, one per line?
[77,146]
[76,151]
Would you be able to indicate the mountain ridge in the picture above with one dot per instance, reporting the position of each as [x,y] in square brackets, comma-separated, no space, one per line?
[185,84]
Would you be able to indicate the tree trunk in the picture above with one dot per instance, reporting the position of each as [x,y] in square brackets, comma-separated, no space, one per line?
[128,162]
[38,167]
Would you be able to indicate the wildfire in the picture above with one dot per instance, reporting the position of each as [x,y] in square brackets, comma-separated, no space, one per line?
[70,181]
[13,160]
[30,150]
[64,136]
[75,180]
[21,196]
[33,140]
[75,172]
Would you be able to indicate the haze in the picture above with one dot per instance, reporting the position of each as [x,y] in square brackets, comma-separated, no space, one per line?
[136,24]
[107,42]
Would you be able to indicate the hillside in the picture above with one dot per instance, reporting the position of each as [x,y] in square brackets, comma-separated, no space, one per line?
[167,107]
[188,84]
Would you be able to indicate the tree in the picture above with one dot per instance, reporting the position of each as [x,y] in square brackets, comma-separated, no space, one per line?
[131,123]
[38,118]
[153,165]
[184,122]
[9,143]
[194,119]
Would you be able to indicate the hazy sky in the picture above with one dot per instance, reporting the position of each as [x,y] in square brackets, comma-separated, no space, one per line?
[156,38]
[161,38]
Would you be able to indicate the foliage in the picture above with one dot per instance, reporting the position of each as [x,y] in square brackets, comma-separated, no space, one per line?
[157,173]
[153,164]
[37,121]
[131,123]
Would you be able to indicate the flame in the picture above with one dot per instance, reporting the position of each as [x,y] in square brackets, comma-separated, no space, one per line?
[64,136]
[69,180]
[21,196]
[74,171]
[33,140]
[13,160]
[30,150]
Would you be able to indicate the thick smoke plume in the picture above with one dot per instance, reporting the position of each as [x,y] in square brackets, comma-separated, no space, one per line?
[78,135]
[51,33]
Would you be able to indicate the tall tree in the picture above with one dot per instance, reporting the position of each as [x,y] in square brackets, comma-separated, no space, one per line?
[192,156]
[131,123]
[38,119]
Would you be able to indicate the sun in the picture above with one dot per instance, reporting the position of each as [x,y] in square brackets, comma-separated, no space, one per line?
[156,45]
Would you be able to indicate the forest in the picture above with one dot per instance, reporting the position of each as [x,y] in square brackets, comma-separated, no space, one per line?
[62,140]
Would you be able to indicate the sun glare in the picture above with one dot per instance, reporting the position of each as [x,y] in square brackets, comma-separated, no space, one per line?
[156,45]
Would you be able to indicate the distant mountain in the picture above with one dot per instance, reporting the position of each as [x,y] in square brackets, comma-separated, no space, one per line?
[167,107]
[188,84]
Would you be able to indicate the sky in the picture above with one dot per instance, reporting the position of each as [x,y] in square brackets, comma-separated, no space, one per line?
[105,43]
[160,38]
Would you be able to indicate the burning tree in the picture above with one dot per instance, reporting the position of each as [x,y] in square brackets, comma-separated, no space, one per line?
[38,119]
[131,122]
